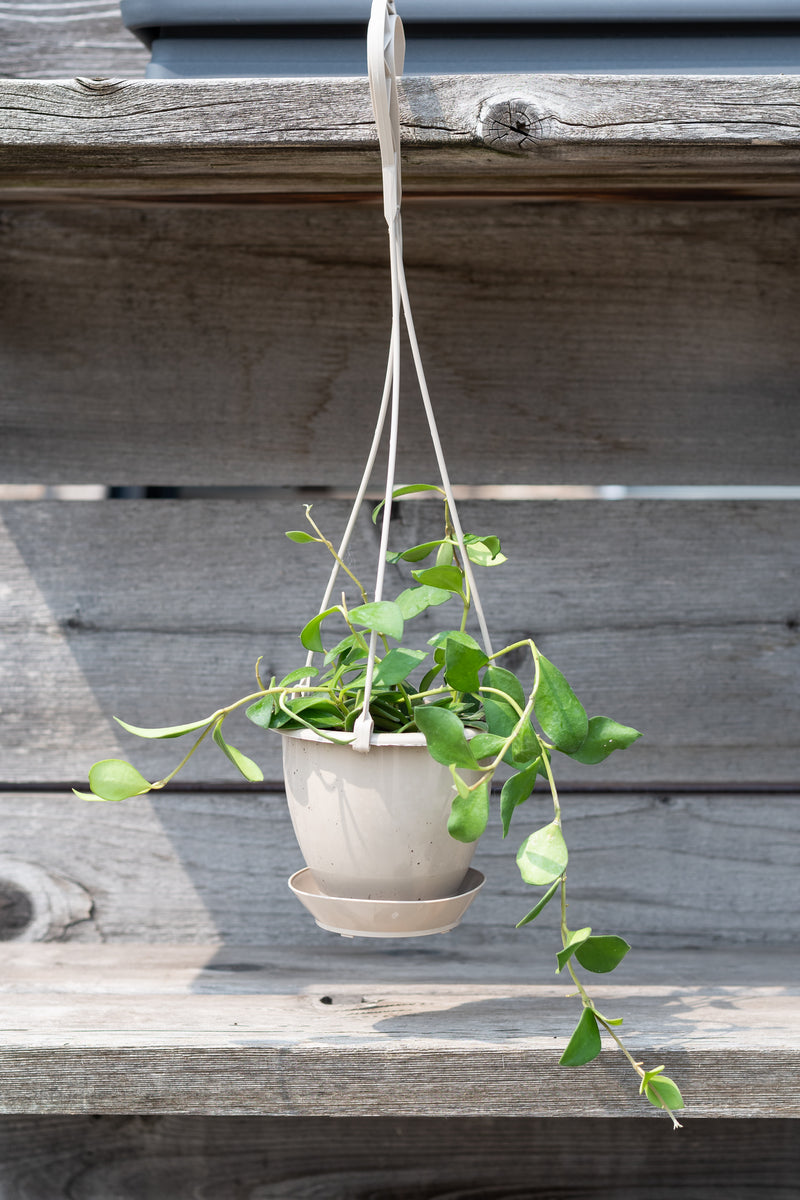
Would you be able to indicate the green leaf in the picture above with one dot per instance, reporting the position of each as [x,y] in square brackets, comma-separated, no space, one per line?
[448,578]
[537,908]
[310,634]
[429,676]
[410,489]
[415,600]
[516,791]
[165,731]
[661,1091]
[383,616]
[298,674]
[414,553]
[251,772]
[501,715]
[396,666]
[353,641]
[444,735]
[542,857]
[575,939]
[585,1044]
[486,745]
[603,737]
[115,779]
[441,639]
[300,536]
[484,552]
[525,748]
[462,664]
[558,710]
[602,954]
[505,681]
[261,713]
[609,1020]
[469,814]
[444,555]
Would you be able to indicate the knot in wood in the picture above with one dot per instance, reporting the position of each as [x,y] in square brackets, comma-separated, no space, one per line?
[509,123]
[102,86]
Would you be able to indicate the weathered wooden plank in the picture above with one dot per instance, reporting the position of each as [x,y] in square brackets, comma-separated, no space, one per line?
[680,618]
[383,1049]
[563,343]
[537,134]
[663,870]
[68,37]
[341,1158]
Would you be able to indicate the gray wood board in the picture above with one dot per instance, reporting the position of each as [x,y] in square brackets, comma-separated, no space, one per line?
[678,617]
[539,133]
[69,37]
[341,1158]
[436,1050]
[666,871]
[567,343]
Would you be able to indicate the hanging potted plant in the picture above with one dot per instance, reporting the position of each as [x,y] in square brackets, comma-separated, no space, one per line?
[390,747]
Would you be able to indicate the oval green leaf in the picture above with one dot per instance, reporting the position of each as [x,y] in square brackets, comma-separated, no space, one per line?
[414,553]
[663,1092]
[262,712]
[542,858]
[516,791]
[603,737]
[383,616]
[310,635]
[602,954]
[300,536]
[165,731]
[396,666]
[585,1044]
[469,814]
[444,735]
[251,771]
[537,908]
[558,710]
[115,779]
[575,939]
[449,579]
[486,745]
[298,674]
[462,664]
[415,600]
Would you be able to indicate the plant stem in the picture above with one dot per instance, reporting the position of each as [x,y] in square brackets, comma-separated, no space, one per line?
[333,551]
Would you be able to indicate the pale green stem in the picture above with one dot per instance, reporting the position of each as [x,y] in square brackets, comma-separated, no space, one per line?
[333,551]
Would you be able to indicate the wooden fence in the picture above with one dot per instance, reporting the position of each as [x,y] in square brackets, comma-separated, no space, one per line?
[192,278]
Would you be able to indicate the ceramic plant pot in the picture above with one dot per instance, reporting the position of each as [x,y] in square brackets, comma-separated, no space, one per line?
[374,826]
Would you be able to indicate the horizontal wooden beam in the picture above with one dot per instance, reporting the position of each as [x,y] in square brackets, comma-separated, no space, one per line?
[578,344]
[677,617]
[667,870]
[352,1158]
[372,1049]
[536,135]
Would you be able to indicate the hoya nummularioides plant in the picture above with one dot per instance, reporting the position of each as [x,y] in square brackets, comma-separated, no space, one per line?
[442,689]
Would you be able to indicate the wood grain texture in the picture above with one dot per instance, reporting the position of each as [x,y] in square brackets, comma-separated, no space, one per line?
[586,133]
[679,617]
[666,871]
[66,37]
[306,1158]
[369,1050]
[569,343]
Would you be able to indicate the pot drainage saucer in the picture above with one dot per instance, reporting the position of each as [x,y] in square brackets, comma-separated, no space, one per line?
[384,918]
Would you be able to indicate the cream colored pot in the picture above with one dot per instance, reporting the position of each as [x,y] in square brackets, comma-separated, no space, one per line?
[374,826]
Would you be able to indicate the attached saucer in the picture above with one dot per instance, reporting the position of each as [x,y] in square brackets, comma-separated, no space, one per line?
[384,918]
